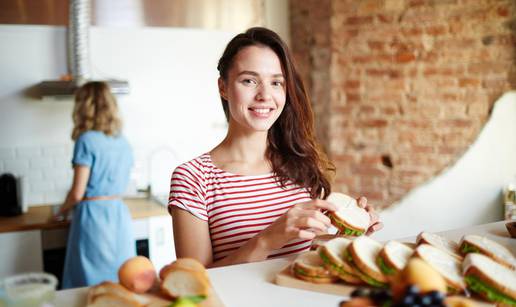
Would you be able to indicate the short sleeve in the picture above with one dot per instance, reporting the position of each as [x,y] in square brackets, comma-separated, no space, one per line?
[82,152]
[186,192]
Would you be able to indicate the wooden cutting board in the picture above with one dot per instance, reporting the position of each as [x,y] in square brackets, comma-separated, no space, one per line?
[286,279]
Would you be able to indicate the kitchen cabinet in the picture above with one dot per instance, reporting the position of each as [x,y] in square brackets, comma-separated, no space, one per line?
[158,231]
[21,252]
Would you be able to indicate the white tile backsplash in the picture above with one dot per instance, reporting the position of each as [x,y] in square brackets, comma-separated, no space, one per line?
[46,168]
[49,172]
[28,152]
[41,163]
[7,153]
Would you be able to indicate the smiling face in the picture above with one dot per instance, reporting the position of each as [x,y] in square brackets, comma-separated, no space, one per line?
[255,89]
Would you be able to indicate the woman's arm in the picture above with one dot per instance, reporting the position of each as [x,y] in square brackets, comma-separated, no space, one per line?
[192,239]
[81,174]
[192,236]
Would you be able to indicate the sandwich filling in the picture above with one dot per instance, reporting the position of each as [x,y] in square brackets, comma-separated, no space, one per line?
[334,266]
[344,228]
[302,272]
[368,279]
[477,285]
[384,267]
[468,248]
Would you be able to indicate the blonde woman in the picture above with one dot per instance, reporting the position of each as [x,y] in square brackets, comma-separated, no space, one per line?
[100,237]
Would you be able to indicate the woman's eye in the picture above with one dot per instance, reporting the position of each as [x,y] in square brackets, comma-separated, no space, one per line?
[277,83]
[249,82]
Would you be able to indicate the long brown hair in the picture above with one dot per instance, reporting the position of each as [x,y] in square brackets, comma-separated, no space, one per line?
[95,109]
[292,148]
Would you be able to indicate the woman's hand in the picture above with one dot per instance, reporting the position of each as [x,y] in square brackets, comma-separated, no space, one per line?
[375,223]
[302,221]
[60,215]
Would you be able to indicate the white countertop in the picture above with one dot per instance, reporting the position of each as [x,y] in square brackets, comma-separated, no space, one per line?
[253,284]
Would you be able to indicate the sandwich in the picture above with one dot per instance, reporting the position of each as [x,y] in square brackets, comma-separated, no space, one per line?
[107,294]
[362,254]
[185,277]
[349,218]
[393,257]
[442,243]
[320,240]
[309,267]
[333,254]
[445,264]
[490,248]
[491,280]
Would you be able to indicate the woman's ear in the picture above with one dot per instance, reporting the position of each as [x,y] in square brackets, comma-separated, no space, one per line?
[222,88]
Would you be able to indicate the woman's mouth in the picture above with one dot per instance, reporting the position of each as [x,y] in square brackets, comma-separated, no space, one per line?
[261,112]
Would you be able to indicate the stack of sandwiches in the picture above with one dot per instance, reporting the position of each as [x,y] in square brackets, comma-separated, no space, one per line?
[478,264]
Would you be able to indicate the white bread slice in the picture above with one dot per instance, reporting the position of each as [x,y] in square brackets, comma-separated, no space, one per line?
[442,243]
[395,256]
[333,255]
[364,251]
[445,264]
[348,215]
[105,292]
[309,266]
[488,247]
[491,273]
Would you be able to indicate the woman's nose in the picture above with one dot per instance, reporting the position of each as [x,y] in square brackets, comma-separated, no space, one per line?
[264,92]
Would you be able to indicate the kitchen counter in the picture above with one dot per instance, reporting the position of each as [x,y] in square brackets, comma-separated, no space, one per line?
[253,284]
[38,217]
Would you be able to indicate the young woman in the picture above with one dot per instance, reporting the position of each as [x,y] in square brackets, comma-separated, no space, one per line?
[260,192]
[100,237]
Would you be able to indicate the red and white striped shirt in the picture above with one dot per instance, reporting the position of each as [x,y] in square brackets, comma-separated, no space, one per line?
[236,207]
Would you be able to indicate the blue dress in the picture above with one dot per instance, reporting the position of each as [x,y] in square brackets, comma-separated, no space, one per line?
[100,237]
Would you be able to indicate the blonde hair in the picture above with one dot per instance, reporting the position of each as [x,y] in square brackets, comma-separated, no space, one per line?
[95,109]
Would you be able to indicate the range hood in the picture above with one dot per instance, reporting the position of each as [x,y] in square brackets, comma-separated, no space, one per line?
[78,57]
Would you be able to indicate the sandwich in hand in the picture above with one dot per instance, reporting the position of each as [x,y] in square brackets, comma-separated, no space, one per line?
[490,279]
[490,248]
[393,257]
[309,267]
[362,254]
[445,264]
[333,254]
[349,218]
[442,243]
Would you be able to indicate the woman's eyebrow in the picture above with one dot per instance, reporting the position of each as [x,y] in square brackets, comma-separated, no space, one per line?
[253,73]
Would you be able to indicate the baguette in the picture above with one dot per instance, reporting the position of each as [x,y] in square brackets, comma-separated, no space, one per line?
[185,277]
[112,294]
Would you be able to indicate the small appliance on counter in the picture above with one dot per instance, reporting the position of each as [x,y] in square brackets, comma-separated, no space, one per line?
[12,198]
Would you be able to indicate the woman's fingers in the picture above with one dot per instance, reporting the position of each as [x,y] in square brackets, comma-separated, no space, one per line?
[310,222]
[312,213]
[362,202]
[317,204]
[374,227]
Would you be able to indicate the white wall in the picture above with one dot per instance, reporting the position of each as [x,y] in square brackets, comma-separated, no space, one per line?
[469,192]
[172,114]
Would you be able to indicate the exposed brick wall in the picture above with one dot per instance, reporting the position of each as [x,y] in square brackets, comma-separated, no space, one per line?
[401,88]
